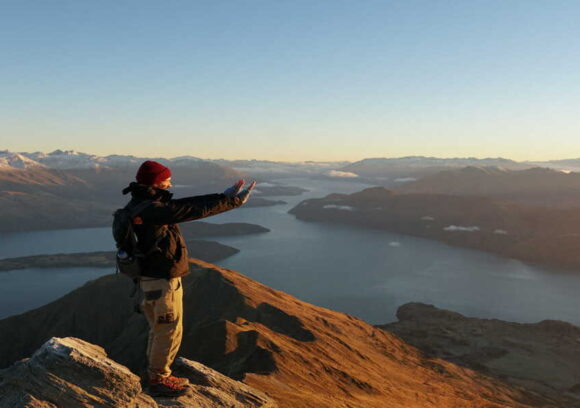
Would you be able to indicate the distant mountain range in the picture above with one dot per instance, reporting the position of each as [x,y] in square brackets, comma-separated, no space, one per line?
[71,159]
[405,169]
[565,165]
[68,189]
[273,169]
[38,197]
[536,185]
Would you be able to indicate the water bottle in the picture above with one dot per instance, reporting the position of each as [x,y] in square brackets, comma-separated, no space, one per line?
[122,255]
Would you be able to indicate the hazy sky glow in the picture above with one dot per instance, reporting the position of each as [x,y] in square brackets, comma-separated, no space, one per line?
[292,80]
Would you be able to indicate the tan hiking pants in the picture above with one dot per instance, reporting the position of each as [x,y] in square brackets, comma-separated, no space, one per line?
[163,308]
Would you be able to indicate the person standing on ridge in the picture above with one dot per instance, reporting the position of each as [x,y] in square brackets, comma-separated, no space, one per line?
[166,261]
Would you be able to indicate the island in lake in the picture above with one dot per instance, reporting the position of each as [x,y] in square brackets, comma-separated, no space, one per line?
[208,251]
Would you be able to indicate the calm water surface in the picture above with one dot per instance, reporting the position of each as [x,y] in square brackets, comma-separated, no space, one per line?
[27,289]
[362,272]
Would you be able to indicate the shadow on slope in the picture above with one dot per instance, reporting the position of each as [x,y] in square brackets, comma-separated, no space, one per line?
[300,354]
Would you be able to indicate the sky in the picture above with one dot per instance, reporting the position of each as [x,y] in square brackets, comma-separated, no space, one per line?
[292,80]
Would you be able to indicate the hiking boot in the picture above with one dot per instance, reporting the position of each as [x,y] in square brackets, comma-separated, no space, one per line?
[179,381]
[164,387]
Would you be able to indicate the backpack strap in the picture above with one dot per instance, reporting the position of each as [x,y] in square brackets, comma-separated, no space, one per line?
[133,212]
[139,207]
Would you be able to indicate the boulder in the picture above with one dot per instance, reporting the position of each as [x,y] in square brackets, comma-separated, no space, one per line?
[72,373]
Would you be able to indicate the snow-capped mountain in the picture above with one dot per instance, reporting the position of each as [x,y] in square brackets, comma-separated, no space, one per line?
[17,160]
[566,165]
[413,165]
[71,159]
[370,167]
[423,161]
[281,169]
[67,159]
[187,161]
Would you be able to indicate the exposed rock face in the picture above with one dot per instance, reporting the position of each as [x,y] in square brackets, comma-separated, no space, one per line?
[301,355]
[215,390]
[71,373]
[543,356]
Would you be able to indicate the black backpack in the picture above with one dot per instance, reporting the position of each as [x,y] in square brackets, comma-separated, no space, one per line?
[128,253]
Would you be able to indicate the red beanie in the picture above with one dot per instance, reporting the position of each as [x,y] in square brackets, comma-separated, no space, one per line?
[152,172]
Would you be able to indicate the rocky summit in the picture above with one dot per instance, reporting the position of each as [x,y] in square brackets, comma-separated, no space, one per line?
[71,373]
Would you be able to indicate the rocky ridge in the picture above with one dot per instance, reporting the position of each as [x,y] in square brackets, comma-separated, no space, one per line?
[71,373]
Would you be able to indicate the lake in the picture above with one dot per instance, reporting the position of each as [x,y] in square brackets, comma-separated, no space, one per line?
[366,273]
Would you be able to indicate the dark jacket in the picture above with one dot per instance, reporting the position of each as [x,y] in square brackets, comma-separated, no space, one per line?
[157,223]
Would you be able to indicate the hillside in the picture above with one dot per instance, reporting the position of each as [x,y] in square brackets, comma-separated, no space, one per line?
[536,186]
[541,356]
[533,234]
[42,198]
[299,354]
[420,166]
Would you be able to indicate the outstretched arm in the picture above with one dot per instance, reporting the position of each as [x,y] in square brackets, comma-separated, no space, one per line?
[196,207]
[193,208]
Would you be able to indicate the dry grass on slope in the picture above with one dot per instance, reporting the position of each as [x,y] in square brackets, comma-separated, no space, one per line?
[321,358]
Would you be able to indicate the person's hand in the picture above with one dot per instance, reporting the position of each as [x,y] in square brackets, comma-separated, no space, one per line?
[245,194]
[234,190]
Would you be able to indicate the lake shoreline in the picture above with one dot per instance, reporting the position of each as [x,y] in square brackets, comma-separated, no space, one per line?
[209,251]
